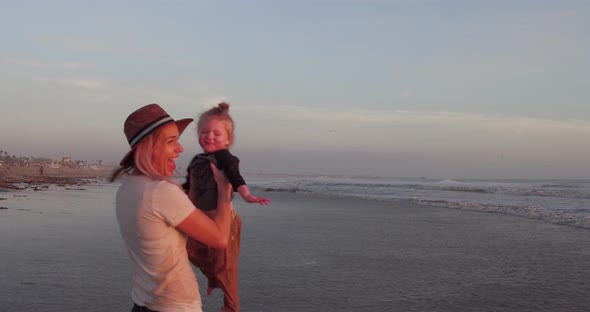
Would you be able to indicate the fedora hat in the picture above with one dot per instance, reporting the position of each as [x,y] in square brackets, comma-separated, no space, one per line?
[146,120]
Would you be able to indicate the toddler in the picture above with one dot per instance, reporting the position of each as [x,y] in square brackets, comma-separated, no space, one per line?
[215,130]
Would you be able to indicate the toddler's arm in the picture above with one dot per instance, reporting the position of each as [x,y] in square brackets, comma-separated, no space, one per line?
[231,167]
[248,197]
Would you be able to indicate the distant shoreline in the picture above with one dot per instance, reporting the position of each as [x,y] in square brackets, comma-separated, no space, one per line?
[11,175]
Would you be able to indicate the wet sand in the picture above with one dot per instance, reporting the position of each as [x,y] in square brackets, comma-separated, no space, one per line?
[306,253]
[315,253]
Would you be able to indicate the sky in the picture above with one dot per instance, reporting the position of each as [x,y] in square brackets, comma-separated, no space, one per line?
[440,89]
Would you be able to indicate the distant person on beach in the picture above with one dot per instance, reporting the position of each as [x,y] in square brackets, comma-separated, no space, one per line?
[155,215]
[41,170]
[215,131]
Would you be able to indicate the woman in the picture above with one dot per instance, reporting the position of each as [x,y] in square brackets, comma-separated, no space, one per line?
[155,215]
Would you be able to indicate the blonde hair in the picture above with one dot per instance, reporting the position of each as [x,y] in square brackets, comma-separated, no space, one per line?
[141,162]
[221,113]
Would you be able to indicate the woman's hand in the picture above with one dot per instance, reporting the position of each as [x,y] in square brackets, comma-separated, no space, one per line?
[213,232]
[223,185]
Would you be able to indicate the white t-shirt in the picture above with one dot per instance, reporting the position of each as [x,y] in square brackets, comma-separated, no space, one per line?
[148,212]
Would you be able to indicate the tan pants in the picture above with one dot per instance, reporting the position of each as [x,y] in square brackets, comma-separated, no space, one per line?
[220,266]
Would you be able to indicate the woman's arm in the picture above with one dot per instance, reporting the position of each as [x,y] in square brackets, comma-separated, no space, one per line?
[212,232]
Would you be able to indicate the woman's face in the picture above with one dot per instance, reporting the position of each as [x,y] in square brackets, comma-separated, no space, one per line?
[214,135]
[166,149]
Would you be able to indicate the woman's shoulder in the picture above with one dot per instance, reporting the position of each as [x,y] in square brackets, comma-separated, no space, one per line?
[167,191]
[151,185]
[167,186]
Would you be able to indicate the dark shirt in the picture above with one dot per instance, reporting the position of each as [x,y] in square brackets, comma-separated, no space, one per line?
[200,183]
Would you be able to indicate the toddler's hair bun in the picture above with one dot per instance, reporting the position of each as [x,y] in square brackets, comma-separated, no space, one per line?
[223,106]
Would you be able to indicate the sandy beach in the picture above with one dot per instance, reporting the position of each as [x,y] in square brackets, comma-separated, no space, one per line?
[10,175]
[305,253]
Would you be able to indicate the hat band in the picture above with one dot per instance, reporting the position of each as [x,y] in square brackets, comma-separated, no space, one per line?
[149,129]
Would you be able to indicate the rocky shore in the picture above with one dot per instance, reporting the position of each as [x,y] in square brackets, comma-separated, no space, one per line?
[10,176]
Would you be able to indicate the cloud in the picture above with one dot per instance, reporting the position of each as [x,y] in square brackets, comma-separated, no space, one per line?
[87,84]
[71,43]
[73,65]
[22,63]
[446,134]
[80,83]
[405,117]
[117,44]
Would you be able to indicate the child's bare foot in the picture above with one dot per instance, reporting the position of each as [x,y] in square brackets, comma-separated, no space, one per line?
[209,290]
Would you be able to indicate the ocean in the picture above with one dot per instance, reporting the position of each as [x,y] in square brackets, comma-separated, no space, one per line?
[564,202]
[325,243]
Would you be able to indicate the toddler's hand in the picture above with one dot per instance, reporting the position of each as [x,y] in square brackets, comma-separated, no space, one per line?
[260,200]
[263,201]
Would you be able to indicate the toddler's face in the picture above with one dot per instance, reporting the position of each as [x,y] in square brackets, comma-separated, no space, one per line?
[214,136]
